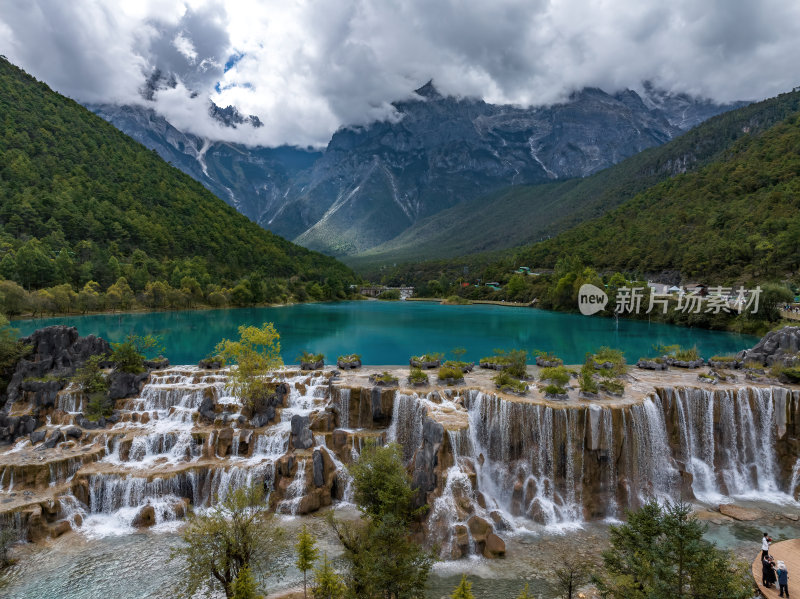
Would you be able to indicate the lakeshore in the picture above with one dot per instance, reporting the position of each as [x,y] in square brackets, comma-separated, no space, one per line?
[390,332]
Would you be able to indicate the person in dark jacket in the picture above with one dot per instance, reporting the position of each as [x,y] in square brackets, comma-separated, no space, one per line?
[767,572]
[783,579]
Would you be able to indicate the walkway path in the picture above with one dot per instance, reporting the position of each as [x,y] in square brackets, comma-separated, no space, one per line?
[789,553]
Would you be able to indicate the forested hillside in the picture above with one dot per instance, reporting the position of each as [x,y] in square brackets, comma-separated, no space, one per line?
[83,204]
[736,218]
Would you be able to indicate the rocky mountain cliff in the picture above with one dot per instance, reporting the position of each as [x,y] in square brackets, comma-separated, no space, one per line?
[371,183]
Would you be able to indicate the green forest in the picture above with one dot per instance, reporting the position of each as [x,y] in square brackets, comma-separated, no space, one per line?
[736,219]
[91,219]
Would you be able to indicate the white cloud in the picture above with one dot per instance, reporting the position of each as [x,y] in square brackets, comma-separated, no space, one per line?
[185,46]
[307,67]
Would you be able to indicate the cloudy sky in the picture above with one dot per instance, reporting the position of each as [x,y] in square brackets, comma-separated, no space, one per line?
[306,67]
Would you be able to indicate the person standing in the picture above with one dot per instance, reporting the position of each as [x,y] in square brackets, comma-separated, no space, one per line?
[765,546]
[767,572]
[783,579]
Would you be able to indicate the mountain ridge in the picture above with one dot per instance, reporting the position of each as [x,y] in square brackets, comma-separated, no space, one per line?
[374,182]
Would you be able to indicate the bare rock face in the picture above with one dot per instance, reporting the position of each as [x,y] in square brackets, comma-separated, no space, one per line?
[264,409]
[125,384]
[740,513]
[424,475]
[775,346]
[53,356]
[495,546]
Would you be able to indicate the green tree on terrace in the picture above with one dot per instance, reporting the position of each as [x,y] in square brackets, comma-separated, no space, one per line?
[129,356]
[244,587]
[327,583]
[256,353]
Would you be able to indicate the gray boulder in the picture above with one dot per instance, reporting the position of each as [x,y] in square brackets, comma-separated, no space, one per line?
[302,438]
[53,439]
[423,478]
[776,346]
[319,469]
[125,384]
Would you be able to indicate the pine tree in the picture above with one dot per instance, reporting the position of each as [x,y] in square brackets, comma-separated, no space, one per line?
[244,586]
[463,590]
[307,554]
[525,594]
[327,583]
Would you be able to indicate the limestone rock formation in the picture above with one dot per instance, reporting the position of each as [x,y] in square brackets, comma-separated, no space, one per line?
[776,346]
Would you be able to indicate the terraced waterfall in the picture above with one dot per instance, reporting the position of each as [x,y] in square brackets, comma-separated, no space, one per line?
[488,465]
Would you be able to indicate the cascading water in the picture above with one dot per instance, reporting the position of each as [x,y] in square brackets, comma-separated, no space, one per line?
[295,491]
[168,447]
[531,458]
[727,442]
[649,464]
[344,407]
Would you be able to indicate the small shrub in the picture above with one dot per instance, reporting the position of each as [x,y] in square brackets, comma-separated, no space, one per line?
[614,357]
[723,359]
[791,374]
[556,374]
[446,372]
[462,366]
[505,381]
[612,386]
[753,365]
[90,376]
[687,354]
[309,358]
[129,356]
[385,377]
[657,360]
[554,390]
[389,294]
[666,350]
[349,359]
[417,376]
[586,380]
[544,355]
[458,352]
[99,405]
[430,357]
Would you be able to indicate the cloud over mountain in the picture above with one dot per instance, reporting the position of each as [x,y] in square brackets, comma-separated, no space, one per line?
[307,68]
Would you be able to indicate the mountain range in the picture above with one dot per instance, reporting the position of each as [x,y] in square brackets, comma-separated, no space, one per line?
[375,187]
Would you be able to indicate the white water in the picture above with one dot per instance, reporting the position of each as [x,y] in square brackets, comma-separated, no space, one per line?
[166,441]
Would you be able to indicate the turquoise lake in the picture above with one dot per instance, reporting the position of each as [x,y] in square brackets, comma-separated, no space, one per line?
[390,332]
